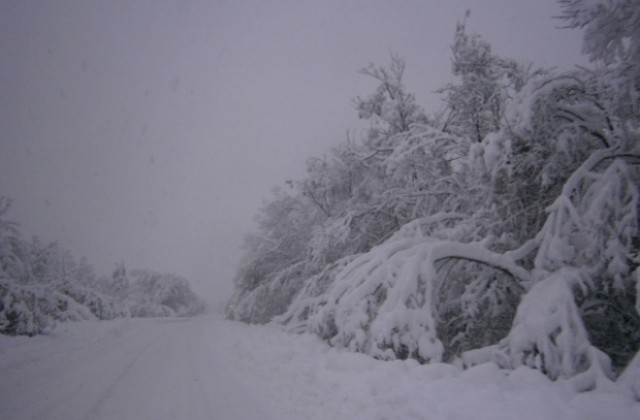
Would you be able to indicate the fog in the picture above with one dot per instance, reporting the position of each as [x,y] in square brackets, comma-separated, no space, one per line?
[149,132]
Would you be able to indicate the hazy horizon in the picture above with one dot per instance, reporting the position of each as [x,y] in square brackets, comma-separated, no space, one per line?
[150,132]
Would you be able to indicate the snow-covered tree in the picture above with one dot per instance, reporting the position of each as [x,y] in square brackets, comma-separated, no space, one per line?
[505,231]
[119,283]
[612,41]
[390,108]
[41,285]
[285,228]
[476,105]
[12,250]
[154,294]
[28,304]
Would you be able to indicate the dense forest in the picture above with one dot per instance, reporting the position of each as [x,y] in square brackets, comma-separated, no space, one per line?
[502,228]
[43,284]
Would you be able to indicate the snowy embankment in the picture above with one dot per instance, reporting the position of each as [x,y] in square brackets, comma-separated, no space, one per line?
[208,368]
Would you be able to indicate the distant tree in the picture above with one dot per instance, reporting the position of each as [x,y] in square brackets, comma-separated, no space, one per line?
[85,273]
[155,294]
[12,264]
[42,285]
[28,304]
[119,283]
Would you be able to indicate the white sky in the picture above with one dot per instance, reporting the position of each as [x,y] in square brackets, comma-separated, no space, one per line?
[150,131]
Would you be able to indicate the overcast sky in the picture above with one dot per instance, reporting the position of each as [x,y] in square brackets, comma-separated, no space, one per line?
[149,132]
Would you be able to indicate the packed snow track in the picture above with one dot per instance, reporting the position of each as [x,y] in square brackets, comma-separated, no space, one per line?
[209,368]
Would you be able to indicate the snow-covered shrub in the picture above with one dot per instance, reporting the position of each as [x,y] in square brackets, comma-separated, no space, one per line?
[31,309]
[548,332]
[100,305]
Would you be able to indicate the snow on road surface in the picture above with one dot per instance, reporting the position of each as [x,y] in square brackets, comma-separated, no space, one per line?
[125,369]
[208,368]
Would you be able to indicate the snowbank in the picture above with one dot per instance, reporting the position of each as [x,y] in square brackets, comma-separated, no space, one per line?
[303,378]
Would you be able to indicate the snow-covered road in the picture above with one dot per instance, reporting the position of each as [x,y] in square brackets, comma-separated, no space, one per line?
[208,368]
[126,369]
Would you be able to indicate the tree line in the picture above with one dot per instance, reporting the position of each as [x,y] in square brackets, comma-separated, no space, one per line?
[44,284]
[503,227]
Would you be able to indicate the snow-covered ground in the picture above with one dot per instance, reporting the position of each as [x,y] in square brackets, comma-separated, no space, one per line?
[209,368]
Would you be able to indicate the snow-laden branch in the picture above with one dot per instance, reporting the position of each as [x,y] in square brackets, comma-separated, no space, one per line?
[383,302]
[476,253]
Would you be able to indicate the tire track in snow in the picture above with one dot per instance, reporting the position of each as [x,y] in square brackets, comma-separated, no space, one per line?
[205,411]
[94,411]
